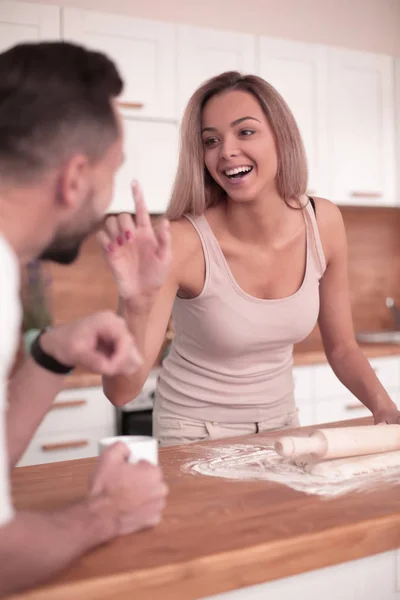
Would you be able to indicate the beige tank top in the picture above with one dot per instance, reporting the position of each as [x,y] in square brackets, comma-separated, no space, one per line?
[232,356]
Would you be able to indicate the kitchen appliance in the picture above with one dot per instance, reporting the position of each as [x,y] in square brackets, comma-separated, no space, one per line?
[135,418]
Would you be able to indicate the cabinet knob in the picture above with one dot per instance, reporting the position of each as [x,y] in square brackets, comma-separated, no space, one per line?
[358,194]
[355,406]
[68,404]
[65,445]
[135,105]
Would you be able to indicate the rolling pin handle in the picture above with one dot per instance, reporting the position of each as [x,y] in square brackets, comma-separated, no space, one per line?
[292,447]
[285,446]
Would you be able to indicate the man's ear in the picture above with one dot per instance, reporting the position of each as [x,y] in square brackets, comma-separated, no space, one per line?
[74,182]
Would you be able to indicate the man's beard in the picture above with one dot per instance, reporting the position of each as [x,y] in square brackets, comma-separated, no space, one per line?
[65,246]
[62,254]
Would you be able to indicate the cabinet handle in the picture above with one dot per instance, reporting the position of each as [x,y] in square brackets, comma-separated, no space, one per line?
[355,406]
[64,445]
[135,105]
[68,404]
[358,194]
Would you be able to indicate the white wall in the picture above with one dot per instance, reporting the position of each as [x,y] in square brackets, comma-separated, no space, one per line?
[363,24]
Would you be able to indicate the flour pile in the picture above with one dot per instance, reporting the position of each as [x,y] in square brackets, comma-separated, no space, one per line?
[249,463]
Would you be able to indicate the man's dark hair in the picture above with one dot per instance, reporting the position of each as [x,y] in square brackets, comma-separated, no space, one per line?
[55,100]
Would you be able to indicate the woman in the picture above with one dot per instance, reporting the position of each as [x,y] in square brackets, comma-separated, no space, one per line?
[255,264]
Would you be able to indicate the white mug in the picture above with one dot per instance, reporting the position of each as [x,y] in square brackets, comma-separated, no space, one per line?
[141,447]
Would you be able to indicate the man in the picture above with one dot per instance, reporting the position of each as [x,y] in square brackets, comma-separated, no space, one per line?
[60,147]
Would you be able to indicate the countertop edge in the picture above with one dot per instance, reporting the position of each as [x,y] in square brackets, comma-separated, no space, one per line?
[247,566]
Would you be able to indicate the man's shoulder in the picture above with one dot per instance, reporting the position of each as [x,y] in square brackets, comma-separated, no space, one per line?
[9,271]
[10,305]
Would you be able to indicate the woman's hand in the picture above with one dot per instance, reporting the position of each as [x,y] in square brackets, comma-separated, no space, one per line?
[389,415]
[138,254]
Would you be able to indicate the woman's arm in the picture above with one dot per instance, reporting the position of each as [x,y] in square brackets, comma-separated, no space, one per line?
[148,329]
[148,264]
[336,323]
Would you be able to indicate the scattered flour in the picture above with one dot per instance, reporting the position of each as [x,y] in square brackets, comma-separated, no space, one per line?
[250,462]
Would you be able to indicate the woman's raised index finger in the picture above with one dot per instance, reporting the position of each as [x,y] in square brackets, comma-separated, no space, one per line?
[142,215]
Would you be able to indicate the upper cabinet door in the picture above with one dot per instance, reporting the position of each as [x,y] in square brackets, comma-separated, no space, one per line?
[144,52]
[203,53]
[23,22]
[362,127]
[397,117]
[151,151]
[298,72]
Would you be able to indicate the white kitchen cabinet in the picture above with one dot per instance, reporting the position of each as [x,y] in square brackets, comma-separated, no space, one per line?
[78,409]
[151,155]
[144,52]
[22,22]
[343,100]
[77,420]
[387,370]
[298,71]
[395,396]
[327,385]
[306,414]
[397,113]
[67,446]
[334,402]
[361,127]
[369,578]
[339,408]
[203,53]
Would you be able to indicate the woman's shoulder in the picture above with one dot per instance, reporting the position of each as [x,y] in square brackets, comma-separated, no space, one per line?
[330,225]
[185,240]
[327,213]
[187,267]
[182,231]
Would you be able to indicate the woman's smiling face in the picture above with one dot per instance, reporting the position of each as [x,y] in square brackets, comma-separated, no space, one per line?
[239,146]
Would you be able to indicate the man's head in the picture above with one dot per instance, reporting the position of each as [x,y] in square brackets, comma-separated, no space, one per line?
[59,125]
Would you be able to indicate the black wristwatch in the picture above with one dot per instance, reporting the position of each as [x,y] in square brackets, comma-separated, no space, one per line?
[45,360]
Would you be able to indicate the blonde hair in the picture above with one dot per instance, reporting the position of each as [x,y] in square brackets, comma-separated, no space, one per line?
[194,189]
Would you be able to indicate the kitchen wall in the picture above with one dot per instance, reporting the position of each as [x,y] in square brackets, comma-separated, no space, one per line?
[82,288]
[373,236]
[374,272]
[372,25]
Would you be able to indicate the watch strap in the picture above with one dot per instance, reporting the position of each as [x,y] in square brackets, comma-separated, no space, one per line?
[45,360]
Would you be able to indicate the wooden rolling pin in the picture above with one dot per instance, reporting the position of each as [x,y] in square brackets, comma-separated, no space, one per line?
[341,442]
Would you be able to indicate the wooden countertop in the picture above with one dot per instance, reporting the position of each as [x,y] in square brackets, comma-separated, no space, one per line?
[309,352]
[217,535]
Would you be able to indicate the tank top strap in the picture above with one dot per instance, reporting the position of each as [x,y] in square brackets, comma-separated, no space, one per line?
[315,242]
[212,252]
